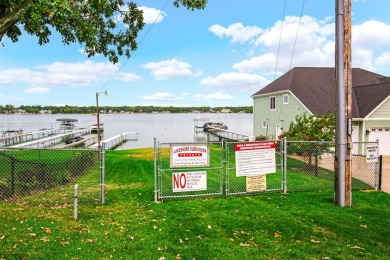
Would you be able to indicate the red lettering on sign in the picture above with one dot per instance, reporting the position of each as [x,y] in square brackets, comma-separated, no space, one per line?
[179,181]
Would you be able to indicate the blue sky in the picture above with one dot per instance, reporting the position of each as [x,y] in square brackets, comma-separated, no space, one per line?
[219,56]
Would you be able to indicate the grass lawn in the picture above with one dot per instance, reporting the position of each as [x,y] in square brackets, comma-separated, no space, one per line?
[300,225]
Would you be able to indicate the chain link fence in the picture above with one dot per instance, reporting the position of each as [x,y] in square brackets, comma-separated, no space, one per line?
[243,185]
[299,166]
[309,166]
[47,176]
[186,170]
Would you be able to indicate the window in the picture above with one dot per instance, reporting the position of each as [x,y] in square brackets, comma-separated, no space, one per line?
[264,124]
[285,99]
[272,103]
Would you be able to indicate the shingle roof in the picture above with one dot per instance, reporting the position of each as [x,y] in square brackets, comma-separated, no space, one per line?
[316,88]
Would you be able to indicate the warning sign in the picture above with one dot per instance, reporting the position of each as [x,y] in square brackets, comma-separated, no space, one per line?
[372,153]
[189,181]
[256,183]
[255,158]
[189,155]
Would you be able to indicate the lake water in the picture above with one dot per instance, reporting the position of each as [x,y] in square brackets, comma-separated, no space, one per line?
[164,127]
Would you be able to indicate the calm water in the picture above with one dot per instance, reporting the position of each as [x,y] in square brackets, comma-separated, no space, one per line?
[164,127]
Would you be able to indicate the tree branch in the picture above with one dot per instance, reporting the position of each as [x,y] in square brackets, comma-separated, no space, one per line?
[10,18]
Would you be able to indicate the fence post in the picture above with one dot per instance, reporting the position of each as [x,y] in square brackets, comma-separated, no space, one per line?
[155,170]
[102,169]
[284,157]
[379,174]
[75,199]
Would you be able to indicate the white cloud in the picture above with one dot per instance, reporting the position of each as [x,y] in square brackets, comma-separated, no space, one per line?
[214,96]
[162,96]
[79,74]
[127,77]
[37,90]
[237,32]
[234,81]
[152,15]
[170,69]
[314,46]
[383,59]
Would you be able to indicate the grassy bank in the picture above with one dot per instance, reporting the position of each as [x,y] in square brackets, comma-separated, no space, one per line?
[131,226]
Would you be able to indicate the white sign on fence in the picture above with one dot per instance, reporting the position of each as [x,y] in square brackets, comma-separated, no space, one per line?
[255,158]
[189,181]
[190,155]
[372,153]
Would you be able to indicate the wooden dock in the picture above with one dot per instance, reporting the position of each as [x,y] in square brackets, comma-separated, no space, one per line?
[117,140]
[216,134]
[51,140]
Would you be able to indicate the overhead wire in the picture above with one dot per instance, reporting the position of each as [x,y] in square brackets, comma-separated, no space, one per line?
[292,56]
[280,37]
[277,56]
[138,44]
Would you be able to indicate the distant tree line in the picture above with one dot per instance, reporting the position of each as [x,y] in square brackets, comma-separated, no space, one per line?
[10,109]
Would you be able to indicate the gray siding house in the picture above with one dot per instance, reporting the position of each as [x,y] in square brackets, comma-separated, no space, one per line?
[313,90]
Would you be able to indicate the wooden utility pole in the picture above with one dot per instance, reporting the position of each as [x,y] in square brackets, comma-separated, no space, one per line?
[343,167]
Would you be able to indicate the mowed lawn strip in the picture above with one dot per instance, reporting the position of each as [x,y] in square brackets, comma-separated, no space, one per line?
[131,226]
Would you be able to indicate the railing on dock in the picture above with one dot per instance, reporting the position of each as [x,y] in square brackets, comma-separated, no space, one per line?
[50,141]
[25,137]
[217,134]
[117,140]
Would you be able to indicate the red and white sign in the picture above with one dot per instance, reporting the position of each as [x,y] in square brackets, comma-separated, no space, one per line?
[255,158]
[189,181]
[190,155]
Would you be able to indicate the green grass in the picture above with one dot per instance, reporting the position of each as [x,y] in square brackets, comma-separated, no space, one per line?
[131,226]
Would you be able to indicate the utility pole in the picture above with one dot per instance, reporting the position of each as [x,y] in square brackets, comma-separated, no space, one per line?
[343,167]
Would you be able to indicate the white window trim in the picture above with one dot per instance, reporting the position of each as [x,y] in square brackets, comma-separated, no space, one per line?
[270,102]
[288,99]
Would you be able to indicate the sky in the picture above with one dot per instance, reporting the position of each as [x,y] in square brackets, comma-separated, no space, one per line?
[218,56]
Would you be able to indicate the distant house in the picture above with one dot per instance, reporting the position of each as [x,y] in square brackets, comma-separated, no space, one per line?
[313,91]
[225,110]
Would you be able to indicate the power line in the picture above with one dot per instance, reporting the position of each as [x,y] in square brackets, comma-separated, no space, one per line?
[280,37]
[296,36]
[139,43]
[292,56]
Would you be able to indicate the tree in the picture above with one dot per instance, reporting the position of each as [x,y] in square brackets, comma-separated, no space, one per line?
[97,24]
[320,130]
[311,128]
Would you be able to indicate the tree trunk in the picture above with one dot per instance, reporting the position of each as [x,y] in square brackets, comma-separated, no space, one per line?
[10,18]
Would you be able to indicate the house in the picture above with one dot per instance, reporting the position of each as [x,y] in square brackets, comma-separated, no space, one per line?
[313,90]
[225,110]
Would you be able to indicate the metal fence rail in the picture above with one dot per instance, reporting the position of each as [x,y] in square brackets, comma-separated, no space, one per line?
[240,185]
[166,173]
[300,166]
[47,176]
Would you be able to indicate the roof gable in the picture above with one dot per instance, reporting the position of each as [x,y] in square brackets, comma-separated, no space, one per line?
[316,88]
[369,97]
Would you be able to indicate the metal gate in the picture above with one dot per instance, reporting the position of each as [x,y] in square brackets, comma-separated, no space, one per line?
[173,181]
[299,166]
[250,185]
